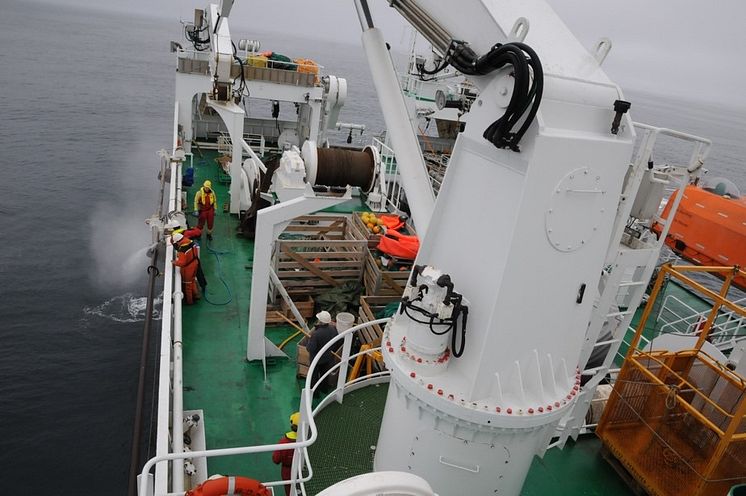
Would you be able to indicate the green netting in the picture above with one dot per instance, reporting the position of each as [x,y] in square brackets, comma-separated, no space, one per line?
[345,298]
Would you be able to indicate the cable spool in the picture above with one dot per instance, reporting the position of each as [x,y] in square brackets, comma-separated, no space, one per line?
[339,167]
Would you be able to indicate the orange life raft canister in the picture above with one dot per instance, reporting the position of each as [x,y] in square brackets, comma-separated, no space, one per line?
[230,485]
[708,229]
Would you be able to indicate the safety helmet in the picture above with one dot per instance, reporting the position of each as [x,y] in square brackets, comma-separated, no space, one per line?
[324,317]
[295,418]
[207,184]
[173,224]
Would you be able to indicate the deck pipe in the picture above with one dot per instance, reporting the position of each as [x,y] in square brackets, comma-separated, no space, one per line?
[162,475]
[177,419]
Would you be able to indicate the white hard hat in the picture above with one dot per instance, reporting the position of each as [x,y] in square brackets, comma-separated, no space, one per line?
[173,224]
[324,317]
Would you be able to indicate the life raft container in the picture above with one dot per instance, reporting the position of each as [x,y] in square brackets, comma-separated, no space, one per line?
[230,485]
[708,229]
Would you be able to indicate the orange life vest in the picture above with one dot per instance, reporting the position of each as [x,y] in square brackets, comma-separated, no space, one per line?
[391,221]
[399,245]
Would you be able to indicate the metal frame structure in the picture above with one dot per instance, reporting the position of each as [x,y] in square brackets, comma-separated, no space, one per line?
[675,419]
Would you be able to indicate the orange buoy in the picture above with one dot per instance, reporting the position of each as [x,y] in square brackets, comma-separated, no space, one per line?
[230,485]
[708,229]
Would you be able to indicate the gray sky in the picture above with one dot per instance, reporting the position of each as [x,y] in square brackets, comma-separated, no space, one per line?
[685,48]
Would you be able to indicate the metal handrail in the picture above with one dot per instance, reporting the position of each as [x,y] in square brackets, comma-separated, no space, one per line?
[306,422]
[723,329]
[665,307]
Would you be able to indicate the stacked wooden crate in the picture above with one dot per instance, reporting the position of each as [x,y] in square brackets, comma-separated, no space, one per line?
[327,253]
[279,313]
[370,306]
[377,279]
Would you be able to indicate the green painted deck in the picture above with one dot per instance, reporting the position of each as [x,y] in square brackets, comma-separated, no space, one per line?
[242,408]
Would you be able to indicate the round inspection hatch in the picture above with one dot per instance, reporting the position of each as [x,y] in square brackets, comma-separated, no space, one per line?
[575,209]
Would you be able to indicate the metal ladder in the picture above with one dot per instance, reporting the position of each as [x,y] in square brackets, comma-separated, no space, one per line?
[626,253]
[606,311]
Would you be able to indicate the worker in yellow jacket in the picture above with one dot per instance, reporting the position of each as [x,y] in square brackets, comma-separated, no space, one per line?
[204,206]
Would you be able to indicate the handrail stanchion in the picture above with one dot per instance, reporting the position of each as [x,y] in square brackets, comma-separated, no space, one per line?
[307,424]
[344,365]
[296,470]
[345,321]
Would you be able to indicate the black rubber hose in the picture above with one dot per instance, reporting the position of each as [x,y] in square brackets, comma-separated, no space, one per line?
[464,315]
[527,92]
[137,427]
[537,89]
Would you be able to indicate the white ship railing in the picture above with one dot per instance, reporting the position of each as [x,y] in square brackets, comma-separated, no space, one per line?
[170,356]
[727,329]
[389,179]
[307,424]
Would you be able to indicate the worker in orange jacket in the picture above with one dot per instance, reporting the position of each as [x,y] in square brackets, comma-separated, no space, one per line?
[204,206]
[187,259]
[284,458]
[173,226]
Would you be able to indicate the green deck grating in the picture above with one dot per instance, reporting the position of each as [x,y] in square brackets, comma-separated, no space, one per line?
[347,433]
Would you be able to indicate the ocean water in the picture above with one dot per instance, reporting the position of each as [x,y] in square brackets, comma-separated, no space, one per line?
[86,101]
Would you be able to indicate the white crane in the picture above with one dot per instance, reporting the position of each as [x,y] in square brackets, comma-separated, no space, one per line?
[485,352]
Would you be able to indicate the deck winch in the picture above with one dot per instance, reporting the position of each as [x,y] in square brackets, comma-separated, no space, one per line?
[339,166]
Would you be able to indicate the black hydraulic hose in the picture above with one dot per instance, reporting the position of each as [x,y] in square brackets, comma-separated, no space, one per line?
[153,272]
[527,90]
[537,89]
[464,316]
[137,427]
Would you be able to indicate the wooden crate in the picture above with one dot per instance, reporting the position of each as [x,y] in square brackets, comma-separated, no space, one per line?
[302,359]
[363,232]
[378,281]
[303,304]
[369,307]
[331,255]
[276,312]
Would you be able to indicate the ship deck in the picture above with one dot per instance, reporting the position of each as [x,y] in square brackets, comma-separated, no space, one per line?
[242,407]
